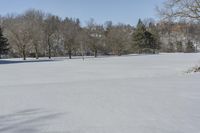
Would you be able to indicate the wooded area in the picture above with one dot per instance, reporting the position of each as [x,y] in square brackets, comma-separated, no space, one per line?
[38,34]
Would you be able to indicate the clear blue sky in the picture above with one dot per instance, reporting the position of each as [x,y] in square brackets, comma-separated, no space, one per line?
[125,11]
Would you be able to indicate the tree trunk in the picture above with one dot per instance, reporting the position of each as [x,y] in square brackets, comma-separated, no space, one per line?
[70,53]
[36,53]
[95,53]
[82,52]
[119,52]
[154,51]
[24,52]
[49,45]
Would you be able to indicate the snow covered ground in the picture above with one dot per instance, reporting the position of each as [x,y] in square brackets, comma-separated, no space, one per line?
[130,94]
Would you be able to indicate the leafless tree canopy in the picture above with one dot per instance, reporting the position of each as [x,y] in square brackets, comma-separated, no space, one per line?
[38,34]
[189,9]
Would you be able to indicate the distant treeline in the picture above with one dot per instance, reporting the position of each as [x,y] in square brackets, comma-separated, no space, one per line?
[38,34]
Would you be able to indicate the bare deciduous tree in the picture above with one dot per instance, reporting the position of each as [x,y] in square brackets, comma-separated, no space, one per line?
[70,30]
[189,9]
[35,20]
[96,36]
[51,26]
[118,39]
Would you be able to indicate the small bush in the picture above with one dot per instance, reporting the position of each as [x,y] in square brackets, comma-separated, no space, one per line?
[197,69]
[194,70]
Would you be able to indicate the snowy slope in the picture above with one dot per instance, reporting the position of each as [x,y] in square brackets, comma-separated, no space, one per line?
[130,94]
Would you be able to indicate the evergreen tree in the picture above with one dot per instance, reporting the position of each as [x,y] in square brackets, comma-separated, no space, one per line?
[171,47]
[190,47]
[139,36]
[179,46]
[155,44]
[144,40]
[3,44]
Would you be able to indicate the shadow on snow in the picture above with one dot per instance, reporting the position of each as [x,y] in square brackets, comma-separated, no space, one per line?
[2,62]
[27,121]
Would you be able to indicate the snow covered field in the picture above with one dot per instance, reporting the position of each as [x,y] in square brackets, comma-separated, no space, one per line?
[130,94]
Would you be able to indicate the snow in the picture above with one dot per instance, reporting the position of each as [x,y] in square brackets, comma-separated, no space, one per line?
[128,94]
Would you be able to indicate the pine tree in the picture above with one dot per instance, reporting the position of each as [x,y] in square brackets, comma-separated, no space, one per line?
[190,47]
[155,37]
[144,40]
[139,36]
[179,46]
[3,44]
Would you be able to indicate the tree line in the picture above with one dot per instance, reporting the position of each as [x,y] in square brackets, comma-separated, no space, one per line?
[180,25]
[38,34]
